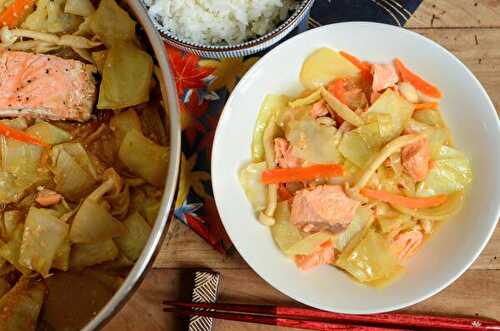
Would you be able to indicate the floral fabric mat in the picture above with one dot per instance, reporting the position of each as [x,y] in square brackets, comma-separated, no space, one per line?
[204,85]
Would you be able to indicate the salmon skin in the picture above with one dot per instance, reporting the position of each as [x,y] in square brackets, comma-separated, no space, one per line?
[45,86]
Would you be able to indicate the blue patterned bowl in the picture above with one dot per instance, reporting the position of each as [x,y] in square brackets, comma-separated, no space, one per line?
[242,49]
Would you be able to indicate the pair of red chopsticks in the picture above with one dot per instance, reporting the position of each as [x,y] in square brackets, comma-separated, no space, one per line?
[313,319]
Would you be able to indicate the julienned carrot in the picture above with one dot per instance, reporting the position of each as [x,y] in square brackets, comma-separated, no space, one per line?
[287,175]
[365,67]
[419,83]
[283,193]
[400,200]
[20,135]
[14,14]
[426,105]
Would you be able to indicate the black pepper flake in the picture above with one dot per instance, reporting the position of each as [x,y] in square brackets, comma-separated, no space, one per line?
[47,71]
[9,105]
[28,81]
[27,98]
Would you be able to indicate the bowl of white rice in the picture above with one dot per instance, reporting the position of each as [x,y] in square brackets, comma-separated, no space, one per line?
[226,28]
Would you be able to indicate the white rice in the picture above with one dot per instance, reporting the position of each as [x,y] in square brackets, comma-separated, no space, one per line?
[211,22]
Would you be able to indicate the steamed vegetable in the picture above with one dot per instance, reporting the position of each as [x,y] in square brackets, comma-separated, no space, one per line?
[132,243]
[20,307]
[124,88]
[398,108]
[251,181]
[272,106]
[144,157]
[112,24]
[450,172]
[10,250]
[361,220]
[79,7]
[93,223]
[85,255]
[400,200]
[15,13]
[20,136]
[43,235]
[286,175]
[74,173]
[284,233]
[48,133]
[310,243]
[323,66]
[307,138]
[306,101]
[369,260]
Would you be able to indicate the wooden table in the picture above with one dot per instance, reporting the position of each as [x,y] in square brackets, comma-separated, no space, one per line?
[468,28]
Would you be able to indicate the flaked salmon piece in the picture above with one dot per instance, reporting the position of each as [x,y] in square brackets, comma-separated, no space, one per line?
[384,76]
[325,254]
[319,109]
[415,159]
[324,207]
[406,243]
[46,198]
[284,155]
[45,86]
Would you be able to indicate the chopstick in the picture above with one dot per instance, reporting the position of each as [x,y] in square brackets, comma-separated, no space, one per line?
[279,321]
[334,321]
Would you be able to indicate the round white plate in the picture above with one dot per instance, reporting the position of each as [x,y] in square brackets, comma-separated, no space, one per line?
[468,111]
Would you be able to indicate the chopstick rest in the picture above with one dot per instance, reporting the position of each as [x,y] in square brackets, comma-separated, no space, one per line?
[205,290]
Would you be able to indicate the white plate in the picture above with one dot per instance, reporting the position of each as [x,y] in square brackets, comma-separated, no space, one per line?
[468,111]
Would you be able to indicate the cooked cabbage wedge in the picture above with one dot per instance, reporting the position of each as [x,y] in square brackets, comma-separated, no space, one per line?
[397,107]
[250,180]
[323,66]
[93,224]
[74,173]
[362,219]
[285,234]
[310,243]
[370,259]
[10,250]
[272,106]
[112,24]
[125,88]
[61,259]
[431,117]
[451,172]
[123,122]
[79,7]
[48,133]
[86,255]
[132,243]
[20,307]
[43,235]
[144,158]
[308,138]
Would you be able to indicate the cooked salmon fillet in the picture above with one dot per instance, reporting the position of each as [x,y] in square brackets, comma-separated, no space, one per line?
[384,76]
[284,154]
[324,207]
[45,86]
[325,254]
[415,159]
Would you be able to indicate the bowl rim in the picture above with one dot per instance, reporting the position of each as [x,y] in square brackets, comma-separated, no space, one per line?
[218,137]
[169,96]
[304,6]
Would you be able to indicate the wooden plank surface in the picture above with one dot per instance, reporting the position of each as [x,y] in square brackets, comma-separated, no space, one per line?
[470,29]
[471,294]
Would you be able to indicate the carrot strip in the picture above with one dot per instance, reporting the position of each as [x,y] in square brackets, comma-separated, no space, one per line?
[283,193]
[401,200]
[419,83]
[365,67]
[287,175]
[20,135]
[426,105]
[14,14]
